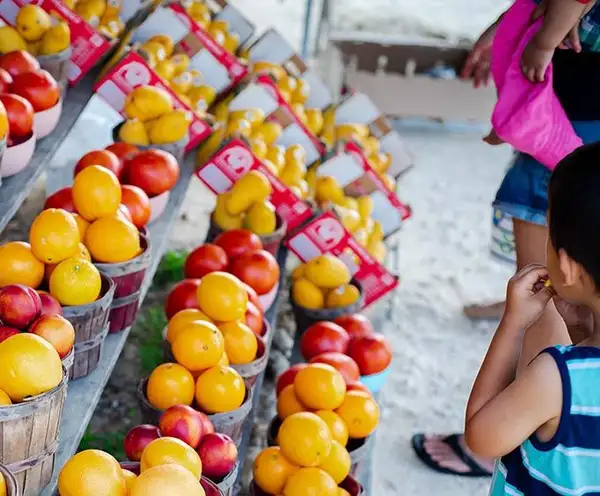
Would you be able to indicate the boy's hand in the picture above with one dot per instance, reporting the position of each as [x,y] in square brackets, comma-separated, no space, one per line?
[535,62]
[527,296]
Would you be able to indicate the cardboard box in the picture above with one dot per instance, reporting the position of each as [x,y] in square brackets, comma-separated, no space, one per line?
[235,159]
[358,108]
[325,234]
[397,74]
[354,173]
[273,47]
[88,47]
[131,72]
[221,70]
[262,93]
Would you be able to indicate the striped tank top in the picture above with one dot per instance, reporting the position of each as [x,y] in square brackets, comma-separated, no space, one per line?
[568,464]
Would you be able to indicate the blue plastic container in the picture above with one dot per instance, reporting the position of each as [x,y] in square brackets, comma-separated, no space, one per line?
[375,382]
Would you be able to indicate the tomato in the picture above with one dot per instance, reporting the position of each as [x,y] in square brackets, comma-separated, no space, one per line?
[123,151]
[63,198]
[253,298]
[357,386]
[343,363]
[137,203]
[18,61]
[258,269]
[155,171]
[39,87]
[20,116]
[205,259]
[287,377]
[103,158]
[355,325]
[372,353]
[237,242]
[323,337]
[5,80]
[254,319]
[181,296]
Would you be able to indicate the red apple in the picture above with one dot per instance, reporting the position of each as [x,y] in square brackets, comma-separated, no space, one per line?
[287,377]
[355,325]
[50,305]
[207,425]
[205,259]
[18,308]
[57,330]
[103,158]
[182,422]
[63,198]
[218,453]
[18,61]
[182,295]
[322,337]
[5,80]
[371,352]
[36,299]
[7,332]
[20,116]
[155,171]
[137,439]
[254,319]
[39,87]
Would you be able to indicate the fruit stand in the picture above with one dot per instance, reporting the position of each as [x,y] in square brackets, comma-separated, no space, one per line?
[138,122]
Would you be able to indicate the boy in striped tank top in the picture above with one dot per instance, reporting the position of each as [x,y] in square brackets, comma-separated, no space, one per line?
[535,405]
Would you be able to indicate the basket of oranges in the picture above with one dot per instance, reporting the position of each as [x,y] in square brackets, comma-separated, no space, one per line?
[8,483]
[33,387]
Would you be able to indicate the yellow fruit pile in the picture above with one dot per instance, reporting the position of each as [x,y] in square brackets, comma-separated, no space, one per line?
[174,69]
[169,467]
[204,342]
[103,15]
[36,31]
[246,205]
[319,418]
[323,282]
[151,118]
[30,366]
[218,29]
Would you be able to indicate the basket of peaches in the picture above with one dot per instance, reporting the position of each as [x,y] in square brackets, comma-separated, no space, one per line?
[31,97]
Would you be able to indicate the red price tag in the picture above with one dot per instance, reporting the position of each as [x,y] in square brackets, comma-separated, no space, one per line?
[131,72]
[234,160]
[325,234]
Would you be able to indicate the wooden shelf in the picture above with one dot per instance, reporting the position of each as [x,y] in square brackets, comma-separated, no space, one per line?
[15,189]
[84,394]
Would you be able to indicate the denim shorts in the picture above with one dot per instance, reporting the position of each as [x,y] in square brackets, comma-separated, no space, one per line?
[523,195]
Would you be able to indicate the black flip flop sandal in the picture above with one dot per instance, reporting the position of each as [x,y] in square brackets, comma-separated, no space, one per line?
[476,470]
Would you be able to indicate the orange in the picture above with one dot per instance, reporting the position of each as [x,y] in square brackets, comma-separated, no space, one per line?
[222,297]
[338,463]
[167,480]
[82,225]
[90,473]
[199,346]
[112,240]
[224,360]
[96,193]
[130,478]
[271,470]
[83,252]
[4,399]
[18,265]
[75,281]
[337,427]
[240,342]
[305,439]
[181,319]
[3,490]
[360,412]
[3,122]
[288,403]
[220,389]
[54,236]
[30,366]
[170,450]
[170,384]
[343,492]
[310,482]
[320,387]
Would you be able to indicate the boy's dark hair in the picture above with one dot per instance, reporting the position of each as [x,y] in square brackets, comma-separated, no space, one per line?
[574,196]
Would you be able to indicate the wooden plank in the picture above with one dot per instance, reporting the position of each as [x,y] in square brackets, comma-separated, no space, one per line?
[15,189]
[84,394]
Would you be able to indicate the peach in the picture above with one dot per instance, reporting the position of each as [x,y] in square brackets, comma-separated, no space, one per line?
[207,426]
[137,439]
[57,330]
[18,305]
[218,453]
[182,422]
[50,305]
[7,332]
